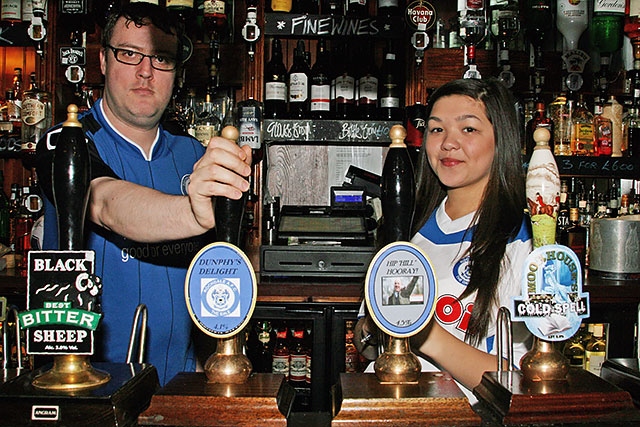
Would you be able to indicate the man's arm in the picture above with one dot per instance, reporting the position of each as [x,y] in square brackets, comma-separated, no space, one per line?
[407,290]
[147,215]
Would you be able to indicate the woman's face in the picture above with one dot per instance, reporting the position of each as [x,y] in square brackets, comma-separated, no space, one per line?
[460,143]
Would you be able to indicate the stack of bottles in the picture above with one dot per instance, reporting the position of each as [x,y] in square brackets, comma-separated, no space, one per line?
[580,203]
[18,214]
[587,127]
[344,82]
[587,349]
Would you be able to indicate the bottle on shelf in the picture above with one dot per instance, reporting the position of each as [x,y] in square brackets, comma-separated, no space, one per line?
[37,117]
[351,355]
[298,84]
[390,86]
[574,349]
[11,11]
[605,32]
[582,136]
[280,5]
[280,360]
[275,84]
[263,353]
[358,8]
[602,132]
[207,124]
[298,358]
[17,89]
[571,21]
[613,110]
[539,119]
[560,111]
[630,130]
[320,81]
[473,27]
[367,85]
[343,85]
[576,236]
[596,350]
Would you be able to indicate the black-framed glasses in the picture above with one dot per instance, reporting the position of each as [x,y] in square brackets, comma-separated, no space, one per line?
[131,57]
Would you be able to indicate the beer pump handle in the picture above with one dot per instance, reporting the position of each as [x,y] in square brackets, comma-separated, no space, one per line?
[71,179]
[228,213]
[398,189]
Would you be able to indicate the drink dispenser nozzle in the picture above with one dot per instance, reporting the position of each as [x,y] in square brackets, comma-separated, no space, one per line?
[251,31]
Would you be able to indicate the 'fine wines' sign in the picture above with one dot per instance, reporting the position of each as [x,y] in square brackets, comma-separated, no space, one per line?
[62,303]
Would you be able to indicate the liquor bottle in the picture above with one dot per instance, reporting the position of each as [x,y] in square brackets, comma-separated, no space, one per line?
[343,85]
[577,236]
[473,28]
[250,128]
[13,108]
[357,8]
[390,87]
[275,84]
[298,84]
[562,221]
[505,26]
[574,349]
[184,12]
[17,88]
[596,350]
[280,360]
[539,22]
[582,134]
[36,119]
[572,20]
[215,18]
[539,119]
[388,8]
[5,205]
[11,11]
[207,123]
[415,123]
[367,86]
[560,111]
[603,132]
[613,110]
[320,106]
[351,356]
[630,132]
[280,5]
[298,358]
[607,25]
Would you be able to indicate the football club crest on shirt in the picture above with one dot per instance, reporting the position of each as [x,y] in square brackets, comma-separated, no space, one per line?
[461,271]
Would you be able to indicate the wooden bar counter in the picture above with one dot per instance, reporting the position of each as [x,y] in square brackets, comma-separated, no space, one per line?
[189,400]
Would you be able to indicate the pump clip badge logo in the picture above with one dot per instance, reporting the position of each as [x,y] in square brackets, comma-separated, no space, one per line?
[220,290]
[552,304]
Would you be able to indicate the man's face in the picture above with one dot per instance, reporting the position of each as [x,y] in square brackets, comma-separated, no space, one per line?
[396,286]
[137,95]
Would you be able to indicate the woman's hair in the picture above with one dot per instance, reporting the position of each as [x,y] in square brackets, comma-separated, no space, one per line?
[500,215]
[141,14]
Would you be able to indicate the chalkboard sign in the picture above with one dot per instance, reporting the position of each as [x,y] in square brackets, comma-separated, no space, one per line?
[303,25]
[336,132]
[611,167]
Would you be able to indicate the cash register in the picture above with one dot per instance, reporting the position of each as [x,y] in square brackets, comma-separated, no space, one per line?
[335,241]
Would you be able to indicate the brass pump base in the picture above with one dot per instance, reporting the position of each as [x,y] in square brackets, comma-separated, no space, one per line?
[228,365]
[397,364]
[71,373]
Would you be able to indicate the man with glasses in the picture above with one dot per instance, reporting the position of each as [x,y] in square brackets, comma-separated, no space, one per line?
[150,207]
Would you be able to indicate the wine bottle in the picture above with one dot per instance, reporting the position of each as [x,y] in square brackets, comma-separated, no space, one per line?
[298,84]
[320,106]
[343,85]
[275,84]
[390,87]
[367,86]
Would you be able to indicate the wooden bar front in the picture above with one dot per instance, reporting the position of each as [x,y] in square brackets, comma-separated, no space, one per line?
[436,400]
[189,400]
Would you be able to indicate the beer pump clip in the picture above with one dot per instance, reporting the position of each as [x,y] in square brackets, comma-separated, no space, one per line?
[251,31]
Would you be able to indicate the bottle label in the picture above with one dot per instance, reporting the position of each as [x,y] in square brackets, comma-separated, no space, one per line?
[11,10]
[320,97]
[298,87]
[368,90]
[594,361]
[610,6]
[275,91]
[281,5]
[249,127]
[33,112]
[280,364]
[298,367]
[214,7]
[345,89]
[179,3]
[389,102]
[204,133]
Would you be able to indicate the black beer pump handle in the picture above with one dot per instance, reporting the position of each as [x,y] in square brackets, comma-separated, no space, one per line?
[71,179]
[228,213]
[398,189]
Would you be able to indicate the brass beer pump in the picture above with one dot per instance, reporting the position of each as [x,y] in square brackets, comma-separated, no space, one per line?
[229,365]
[397,364]
[71,172]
